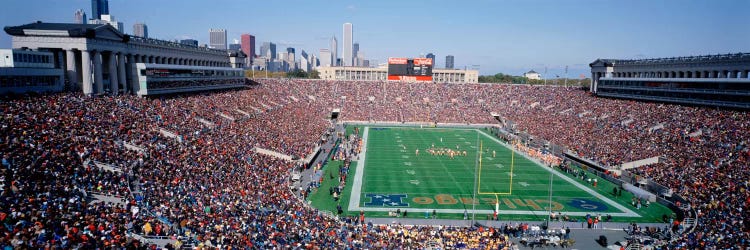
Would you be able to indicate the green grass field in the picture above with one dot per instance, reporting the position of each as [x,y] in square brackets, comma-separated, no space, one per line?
[390,175]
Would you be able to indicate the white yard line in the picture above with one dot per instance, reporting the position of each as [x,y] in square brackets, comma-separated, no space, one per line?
[356,192]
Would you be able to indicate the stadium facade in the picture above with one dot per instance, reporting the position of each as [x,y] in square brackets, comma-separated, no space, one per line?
[27,70]
[381,74]
[99,59]
[712,80]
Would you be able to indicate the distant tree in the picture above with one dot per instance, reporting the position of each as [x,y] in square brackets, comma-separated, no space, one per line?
[314,74]
[503,78]
[297,73]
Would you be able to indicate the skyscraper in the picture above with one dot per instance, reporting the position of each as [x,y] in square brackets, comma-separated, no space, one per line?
[348,50]
[248,45]
[235,47]
[268,50]
[80,17]
[217,38]
[313,62]
[108,19]
[431,56]
[191,42]
[326,58]
[355,50]
[359,61]
[448,62]
[99,8]
[140,29]
[290,55]
[334,51]
[304,61]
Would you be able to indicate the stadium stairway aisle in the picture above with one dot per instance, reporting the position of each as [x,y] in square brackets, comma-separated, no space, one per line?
[272,153]
[306,175]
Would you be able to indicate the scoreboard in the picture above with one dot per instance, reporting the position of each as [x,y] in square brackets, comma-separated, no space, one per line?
[410,69]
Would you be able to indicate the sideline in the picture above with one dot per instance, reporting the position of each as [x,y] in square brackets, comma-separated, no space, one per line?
[355,194]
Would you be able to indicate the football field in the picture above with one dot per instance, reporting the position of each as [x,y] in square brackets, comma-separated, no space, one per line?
[450,163]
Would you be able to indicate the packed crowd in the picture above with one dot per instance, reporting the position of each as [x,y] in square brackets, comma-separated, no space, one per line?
[170,84]
[212,187]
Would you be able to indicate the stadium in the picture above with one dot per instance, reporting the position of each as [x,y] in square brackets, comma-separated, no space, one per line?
[113,141]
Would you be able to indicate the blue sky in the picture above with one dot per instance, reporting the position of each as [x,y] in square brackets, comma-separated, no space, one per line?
[510,36]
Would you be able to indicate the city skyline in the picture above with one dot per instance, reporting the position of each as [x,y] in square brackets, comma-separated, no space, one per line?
[511,37]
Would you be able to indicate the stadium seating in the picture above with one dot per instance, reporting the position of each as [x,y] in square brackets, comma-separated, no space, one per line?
[209,188]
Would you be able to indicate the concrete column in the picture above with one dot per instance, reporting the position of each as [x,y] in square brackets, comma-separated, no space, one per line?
[121,72]
[114,80]
[70,65]
[129,70]
[88,87]
[98,77]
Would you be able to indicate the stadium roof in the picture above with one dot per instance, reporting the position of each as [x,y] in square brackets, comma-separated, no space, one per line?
[105,31]
[98,31]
